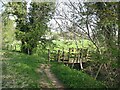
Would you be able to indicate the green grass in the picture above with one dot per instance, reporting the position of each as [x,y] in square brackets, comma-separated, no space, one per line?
[60,44]
[74,79]
[18,48]
[19,70]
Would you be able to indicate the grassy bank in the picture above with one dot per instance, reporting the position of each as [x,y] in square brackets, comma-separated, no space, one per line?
[74,79]
[19,70]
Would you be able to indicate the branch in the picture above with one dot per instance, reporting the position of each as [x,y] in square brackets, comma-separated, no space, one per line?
[89,34]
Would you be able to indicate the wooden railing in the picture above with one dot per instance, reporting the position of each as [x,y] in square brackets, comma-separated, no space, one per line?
[73,55]
[10,47]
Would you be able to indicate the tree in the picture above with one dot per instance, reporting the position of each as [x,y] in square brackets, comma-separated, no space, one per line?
[32,26]
[39,15]
[8,29]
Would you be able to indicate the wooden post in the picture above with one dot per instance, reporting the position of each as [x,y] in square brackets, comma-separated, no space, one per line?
[28,51]
[81,58]
[7,47]
[15,47]
[58,58]
[84,54]
[81,63]
[63,55]
[68,54]
[77,54]
[10,47]
[74,56]
[73,61]
[98,71]
[55,57]
[49,55]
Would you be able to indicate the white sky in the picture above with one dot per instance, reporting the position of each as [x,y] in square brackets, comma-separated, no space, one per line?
[60,8]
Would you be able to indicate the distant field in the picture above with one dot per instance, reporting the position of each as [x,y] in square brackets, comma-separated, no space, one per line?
[60,44]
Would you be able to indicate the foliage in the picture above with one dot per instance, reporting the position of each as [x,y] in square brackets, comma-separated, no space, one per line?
[98,22]
[31,26]
[8,31]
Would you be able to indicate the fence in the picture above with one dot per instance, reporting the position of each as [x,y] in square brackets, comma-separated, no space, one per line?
[73,55]
[10,47]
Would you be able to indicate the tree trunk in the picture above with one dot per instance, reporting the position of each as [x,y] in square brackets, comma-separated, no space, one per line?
[22,46]
[98,71]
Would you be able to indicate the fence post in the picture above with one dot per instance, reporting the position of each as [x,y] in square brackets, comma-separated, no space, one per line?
[63,55]
[68,54]
[81,59]
[11,47]
[77,54]
[7,47]
[49,55]
[74,56]
[15,47]
[58,58]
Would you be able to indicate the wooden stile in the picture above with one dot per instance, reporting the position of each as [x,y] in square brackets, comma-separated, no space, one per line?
[74,55]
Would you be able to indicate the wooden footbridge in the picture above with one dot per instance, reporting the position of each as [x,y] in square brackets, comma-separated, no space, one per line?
[72,56]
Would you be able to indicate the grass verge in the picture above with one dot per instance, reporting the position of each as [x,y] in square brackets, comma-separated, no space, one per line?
[74,79]
[19,70]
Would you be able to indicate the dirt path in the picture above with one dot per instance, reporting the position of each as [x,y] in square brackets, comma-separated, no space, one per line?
[48,79]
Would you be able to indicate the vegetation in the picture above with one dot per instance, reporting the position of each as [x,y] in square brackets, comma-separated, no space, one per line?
[30,28]
[94,26]
[73,78]
[66,44]
[19,70]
